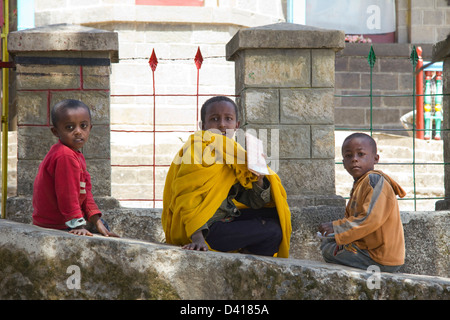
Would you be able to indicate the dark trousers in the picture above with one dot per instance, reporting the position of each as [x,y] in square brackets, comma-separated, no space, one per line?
[256,231]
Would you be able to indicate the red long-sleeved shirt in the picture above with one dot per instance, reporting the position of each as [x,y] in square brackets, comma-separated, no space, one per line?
[62,189]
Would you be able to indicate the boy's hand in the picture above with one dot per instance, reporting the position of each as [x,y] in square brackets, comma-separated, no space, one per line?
[95,219]
[198,242]
[326,228]
[102,229]
[81,232]
[260,181]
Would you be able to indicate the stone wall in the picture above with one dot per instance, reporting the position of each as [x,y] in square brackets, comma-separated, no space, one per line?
[445,204]
[425,21]
[55,63]
[285,83]
[426,233]
[175,33]
[392,75]
[37,263]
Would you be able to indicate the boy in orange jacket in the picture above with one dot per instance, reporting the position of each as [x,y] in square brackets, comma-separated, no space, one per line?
[371,233]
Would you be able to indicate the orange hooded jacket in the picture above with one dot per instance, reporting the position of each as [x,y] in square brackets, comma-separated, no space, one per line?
[372,219]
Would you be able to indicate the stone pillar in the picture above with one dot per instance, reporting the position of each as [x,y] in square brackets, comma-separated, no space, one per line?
[54,63]
[285,84]
[445,204]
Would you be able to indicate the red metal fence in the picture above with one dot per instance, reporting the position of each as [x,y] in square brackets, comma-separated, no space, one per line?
[154,197]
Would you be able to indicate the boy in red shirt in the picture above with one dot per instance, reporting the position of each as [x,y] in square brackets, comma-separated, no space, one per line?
[62,197]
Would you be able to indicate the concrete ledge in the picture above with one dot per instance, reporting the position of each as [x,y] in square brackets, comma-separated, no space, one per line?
[285,35]
[39,263]
[427,235]
[385,49]
[64,37]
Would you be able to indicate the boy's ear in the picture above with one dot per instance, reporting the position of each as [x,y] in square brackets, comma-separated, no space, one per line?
[54,131]
[238,124]
[377,157]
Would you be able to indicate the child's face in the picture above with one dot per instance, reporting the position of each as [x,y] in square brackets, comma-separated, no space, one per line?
[73,127]
[221,116]
[359,157]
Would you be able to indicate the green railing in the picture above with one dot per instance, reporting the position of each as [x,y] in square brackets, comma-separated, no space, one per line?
[414,59]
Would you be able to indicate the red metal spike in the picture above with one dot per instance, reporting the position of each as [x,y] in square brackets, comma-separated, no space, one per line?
[198,59]
[153,61]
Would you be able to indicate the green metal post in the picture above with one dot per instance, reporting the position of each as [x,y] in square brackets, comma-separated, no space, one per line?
[371,59]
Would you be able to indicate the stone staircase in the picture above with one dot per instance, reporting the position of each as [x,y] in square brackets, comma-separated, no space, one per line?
[396,158]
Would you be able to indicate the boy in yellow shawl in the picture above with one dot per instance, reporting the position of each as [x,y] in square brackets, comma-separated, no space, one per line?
[371,233]
[212,201]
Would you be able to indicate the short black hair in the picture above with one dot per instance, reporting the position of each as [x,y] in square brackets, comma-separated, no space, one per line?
[66,104]
[217,99]
[372,142]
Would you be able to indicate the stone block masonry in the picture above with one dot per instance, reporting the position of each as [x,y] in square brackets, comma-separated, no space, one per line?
[445,203]
[55,63]
[285,81]
[392,85]
[39,263]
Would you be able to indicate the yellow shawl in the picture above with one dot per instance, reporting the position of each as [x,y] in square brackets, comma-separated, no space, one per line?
[199,179]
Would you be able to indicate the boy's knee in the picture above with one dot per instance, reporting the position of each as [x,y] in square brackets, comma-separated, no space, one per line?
[273,229]
[328,248]
[269,240]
